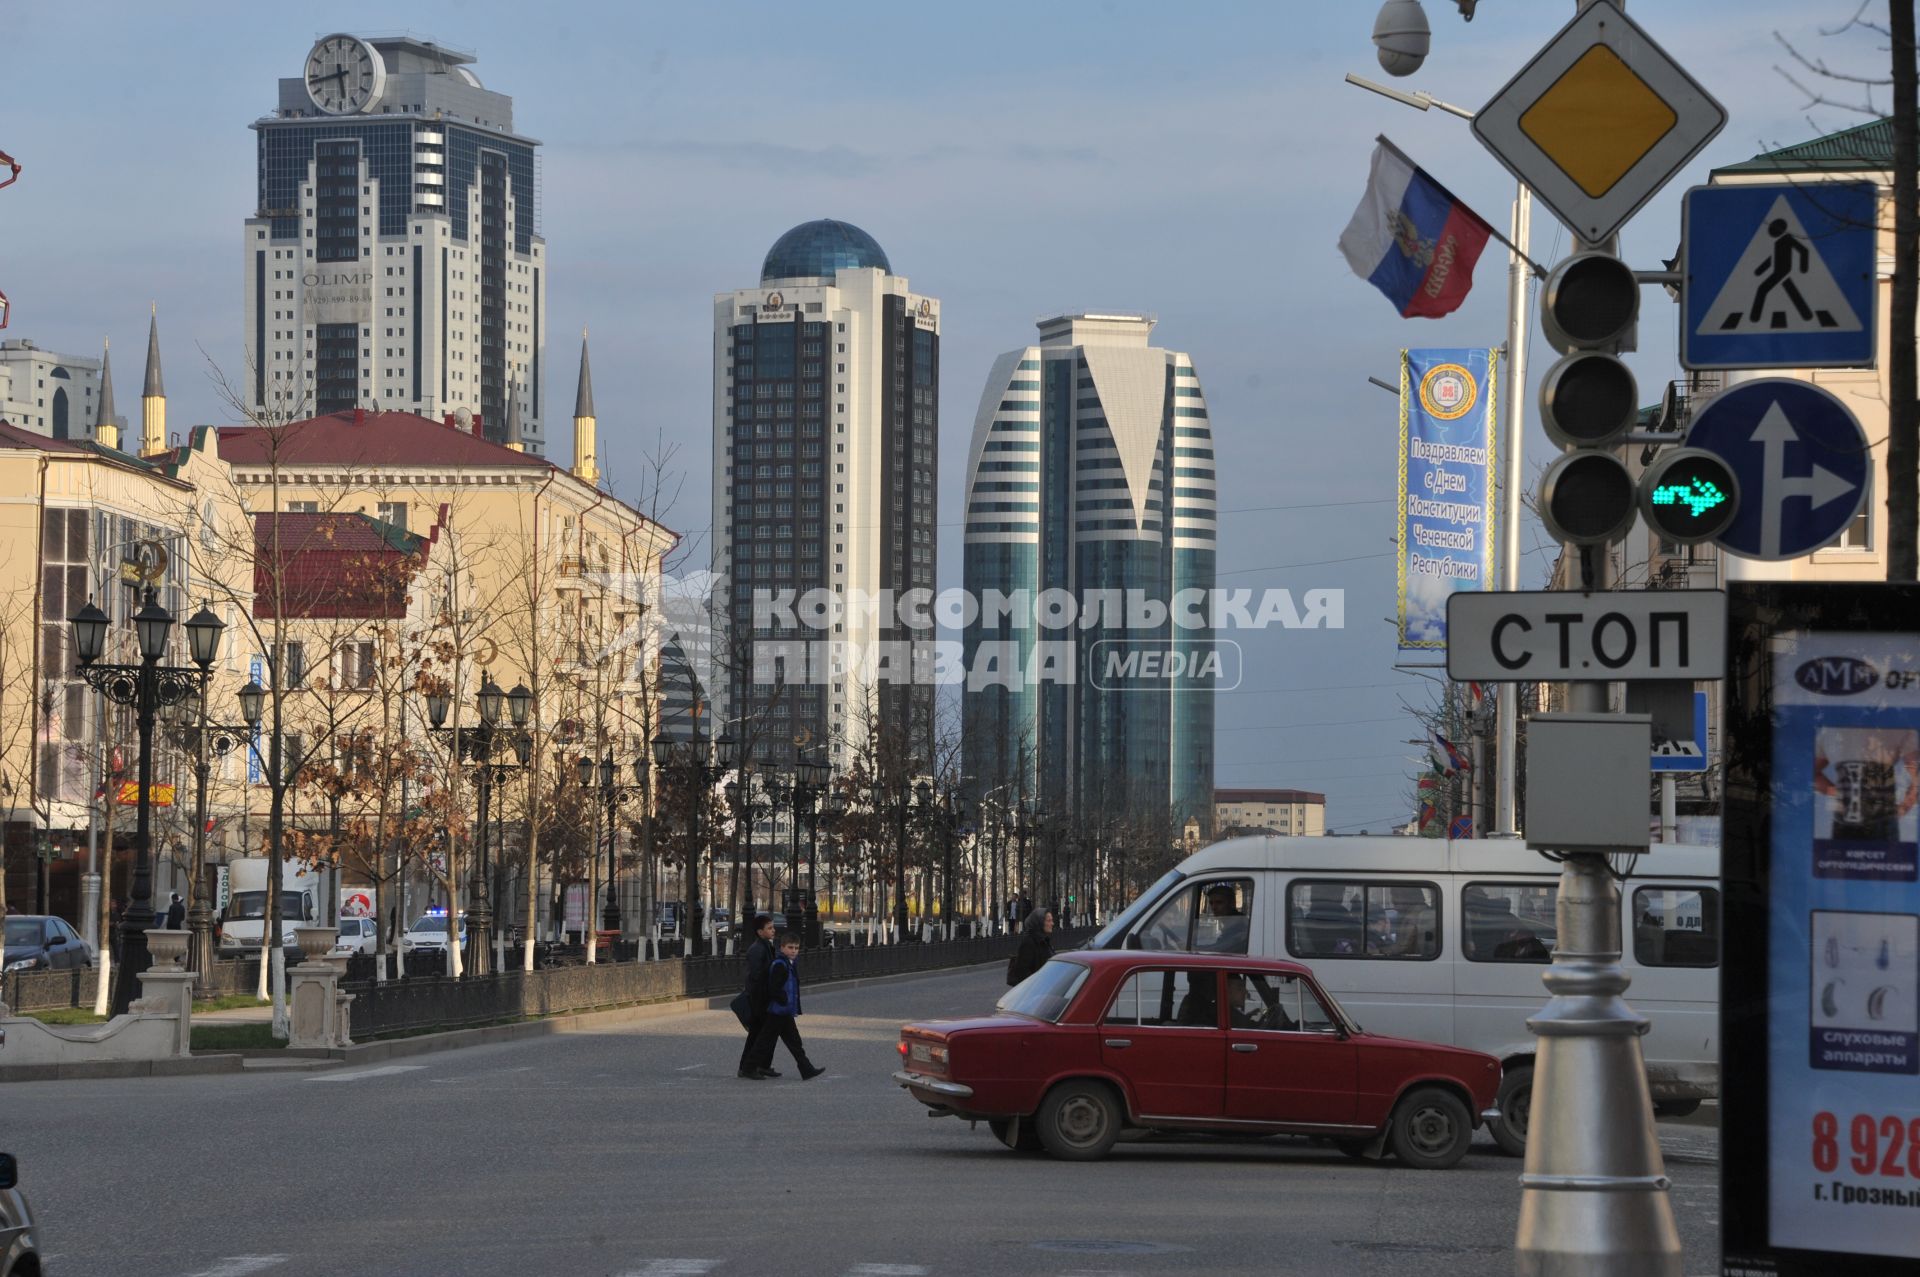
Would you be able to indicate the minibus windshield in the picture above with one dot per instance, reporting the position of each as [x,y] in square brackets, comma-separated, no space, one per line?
[1108,936]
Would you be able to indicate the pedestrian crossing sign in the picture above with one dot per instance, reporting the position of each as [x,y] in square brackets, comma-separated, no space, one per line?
[1779,275]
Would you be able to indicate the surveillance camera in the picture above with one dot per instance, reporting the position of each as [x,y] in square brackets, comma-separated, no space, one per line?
[1401,36]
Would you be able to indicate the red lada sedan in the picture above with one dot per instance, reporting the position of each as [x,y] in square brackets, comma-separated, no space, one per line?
[1095,1043]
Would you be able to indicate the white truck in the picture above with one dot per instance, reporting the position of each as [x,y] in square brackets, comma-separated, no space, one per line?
[243,924]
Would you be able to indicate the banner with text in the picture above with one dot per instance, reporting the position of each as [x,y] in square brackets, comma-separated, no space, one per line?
[1446,486]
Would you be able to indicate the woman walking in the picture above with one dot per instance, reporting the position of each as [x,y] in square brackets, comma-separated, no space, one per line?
[1036,946]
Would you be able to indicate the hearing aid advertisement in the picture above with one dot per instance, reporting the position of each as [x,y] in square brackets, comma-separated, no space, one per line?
[1843,953]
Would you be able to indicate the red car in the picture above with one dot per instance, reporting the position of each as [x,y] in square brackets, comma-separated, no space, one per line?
[1095,1043]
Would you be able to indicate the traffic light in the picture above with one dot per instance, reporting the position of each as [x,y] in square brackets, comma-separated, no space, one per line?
[1589,399]
[1689,495]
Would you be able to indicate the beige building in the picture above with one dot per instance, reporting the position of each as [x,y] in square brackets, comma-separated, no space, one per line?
[1268,811]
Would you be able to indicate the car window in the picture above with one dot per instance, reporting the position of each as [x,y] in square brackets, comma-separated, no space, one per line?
[1676,926]
[1209,916]
[1508,921]
[1166,999]
[1355,919]
[1046,993]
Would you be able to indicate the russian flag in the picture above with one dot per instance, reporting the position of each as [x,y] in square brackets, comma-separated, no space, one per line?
[1411,239]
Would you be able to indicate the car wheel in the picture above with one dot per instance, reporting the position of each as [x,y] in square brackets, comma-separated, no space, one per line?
[1675,1108]
[1016,1133]
[1509,1130]
[1079,1121]
[1430,1129]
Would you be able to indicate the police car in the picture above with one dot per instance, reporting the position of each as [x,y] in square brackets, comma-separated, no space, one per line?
[428,933]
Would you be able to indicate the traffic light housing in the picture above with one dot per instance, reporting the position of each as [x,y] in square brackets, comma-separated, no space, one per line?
[1589,400]
[1689,495]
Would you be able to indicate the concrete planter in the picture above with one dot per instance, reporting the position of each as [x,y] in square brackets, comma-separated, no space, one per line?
[169,948]
[316,942]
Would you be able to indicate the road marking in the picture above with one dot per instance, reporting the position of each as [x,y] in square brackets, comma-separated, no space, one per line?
[684,1068]
[241,1265]
[888,1270]
[675,1268]
[385,1069]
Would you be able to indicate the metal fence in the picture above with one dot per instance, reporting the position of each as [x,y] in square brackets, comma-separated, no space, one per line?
[432,1003]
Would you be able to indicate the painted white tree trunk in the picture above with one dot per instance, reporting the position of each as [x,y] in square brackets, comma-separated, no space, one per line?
[281,1028]
[104,985]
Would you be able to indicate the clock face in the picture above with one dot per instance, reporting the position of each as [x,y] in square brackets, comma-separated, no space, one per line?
[344,74]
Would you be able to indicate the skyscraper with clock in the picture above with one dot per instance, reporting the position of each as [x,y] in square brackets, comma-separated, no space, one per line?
[394,259]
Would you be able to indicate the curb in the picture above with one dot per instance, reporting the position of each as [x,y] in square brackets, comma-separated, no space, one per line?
[292,1059]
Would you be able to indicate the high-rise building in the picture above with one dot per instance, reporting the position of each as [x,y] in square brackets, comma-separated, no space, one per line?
[47,392]
[1092,472]
[826,381]
[394,261]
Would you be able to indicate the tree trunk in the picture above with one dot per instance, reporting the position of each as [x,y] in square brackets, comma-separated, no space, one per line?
[1903,394]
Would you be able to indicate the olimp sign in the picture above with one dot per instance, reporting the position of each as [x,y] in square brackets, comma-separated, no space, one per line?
[335,296]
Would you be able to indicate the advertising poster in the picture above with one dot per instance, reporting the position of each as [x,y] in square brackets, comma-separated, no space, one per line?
[1446,487]
[1833,859]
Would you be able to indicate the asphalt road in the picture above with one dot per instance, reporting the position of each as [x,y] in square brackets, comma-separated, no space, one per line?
[636,1151]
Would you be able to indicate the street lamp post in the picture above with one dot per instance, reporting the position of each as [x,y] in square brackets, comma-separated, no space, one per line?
[943,814]
[696,768]
[612,796]
[206,741]
[476,745]
[148,688]
[806,787]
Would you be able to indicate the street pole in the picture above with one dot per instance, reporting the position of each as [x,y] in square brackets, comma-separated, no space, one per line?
[1507,708]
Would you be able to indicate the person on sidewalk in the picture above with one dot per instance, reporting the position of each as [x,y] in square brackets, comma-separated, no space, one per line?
[783,1009]
[759,958]
[176,913]
[1036,946]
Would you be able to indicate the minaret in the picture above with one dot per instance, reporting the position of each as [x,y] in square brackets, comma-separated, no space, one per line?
[105,431]
[153,396]
[585,452]
[513,439]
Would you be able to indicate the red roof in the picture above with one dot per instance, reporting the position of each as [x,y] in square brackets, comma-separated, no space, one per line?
[339,566]
[12,436]
[357,437]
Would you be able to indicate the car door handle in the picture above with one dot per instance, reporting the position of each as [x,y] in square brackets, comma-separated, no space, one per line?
[1246,1048]
[1117,1043]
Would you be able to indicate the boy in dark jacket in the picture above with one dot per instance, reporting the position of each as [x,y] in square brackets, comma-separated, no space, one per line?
[759,958]
[783,1009]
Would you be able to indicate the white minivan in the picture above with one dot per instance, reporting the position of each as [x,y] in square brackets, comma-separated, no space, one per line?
[1446,941]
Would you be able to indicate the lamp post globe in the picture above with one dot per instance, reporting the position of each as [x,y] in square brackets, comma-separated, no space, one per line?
[203,636]
[519,704]
[89,633]
[583,768]
[662,751]
[640,769]
[490,698]
[253,702]
[729,750]
[150,626]
[606,772]
[438,703]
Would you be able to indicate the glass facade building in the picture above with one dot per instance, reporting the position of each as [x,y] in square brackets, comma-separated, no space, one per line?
[394,259]
[1092,473]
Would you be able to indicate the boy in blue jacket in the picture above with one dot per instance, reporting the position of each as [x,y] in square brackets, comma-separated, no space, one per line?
[783,1009]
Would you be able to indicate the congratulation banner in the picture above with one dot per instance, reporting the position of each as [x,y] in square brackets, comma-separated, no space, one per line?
[1446,487]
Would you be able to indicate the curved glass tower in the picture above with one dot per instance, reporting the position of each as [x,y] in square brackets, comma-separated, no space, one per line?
[1092,472]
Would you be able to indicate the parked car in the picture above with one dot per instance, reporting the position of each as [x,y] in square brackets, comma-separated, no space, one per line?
[19,1249]
[40,942]
[356,936]
[428,933]
[1095,1043]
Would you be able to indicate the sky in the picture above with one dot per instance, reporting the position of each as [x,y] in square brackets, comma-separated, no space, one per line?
[1196,162]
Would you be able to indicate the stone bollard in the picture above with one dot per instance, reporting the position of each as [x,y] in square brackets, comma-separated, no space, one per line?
[166,987]
[318,1015]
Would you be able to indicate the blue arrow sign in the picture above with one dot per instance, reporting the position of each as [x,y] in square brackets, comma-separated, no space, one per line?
[1778,276]
[1801,460]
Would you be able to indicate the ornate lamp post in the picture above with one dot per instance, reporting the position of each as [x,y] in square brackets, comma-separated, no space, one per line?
[148,688]
[691,763]
[476,744]
[612,795]
[206,741]
[945,814]
[884,795]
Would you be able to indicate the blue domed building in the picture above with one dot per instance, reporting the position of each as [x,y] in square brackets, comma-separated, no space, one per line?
[826,434]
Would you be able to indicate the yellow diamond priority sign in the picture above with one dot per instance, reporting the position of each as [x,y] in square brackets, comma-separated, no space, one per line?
[1599,121]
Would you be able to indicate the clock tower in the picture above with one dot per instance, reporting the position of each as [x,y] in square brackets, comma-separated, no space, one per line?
[394,260]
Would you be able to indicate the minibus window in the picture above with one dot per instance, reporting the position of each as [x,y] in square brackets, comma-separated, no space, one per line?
[1507,922]
[1213,915]
[1352,919]
[1676,927]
